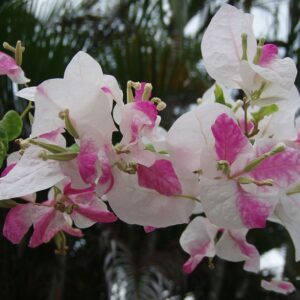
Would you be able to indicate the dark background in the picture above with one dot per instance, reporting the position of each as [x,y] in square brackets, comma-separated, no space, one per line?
[136,40]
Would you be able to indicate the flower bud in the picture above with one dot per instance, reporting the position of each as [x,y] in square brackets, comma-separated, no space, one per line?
[50,147]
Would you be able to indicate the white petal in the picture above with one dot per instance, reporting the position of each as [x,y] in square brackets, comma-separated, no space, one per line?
[281,71]
[288,212]
[85,69]
[111,82]
[30,175]
[82,100]
[191,133]
[280,126]
[233,246]
[278,286]
[198,233]
[137,205]
[222,45]
[229,206]
[27,93]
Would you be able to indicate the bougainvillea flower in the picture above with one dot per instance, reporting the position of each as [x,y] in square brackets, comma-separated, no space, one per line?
[30,174]
[191,133]
[199,240]
[9,67]
[86,69]
[278,286]
[83,91]
[231,62]
[238,201]
[278,125]
[139,125]
[48,218]
[287,213]
[138,120]
[221,152]
[154,196]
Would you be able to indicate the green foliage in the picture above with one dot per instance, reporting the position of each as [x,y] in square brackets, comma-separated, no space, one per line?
[10,128]
[12,123]
[219,96]
[264,112]
[3,151]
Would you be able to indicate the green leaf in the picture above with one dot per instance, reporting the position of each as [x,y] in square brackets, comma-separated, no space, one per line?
[3,151]
[3,136]
[13,124]
[8,203]
[219,96]
[264,112]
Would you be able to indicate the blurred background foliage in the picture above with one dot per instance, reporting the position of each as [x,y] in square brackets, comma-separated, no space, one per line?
[157,41]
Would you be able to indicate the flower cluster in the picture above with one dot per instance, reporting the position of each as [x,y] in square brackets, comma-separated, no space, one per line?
[224,168]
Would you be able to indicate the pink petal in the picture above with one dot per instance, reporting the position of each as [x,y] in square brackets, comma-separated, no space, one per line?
[198,240]
[134,204]
[48,226]
[252,263]
[191,264]
[68,190]
[106,90]
[41,233]
[161,177]
[87,160]
[229,139]
[278,286]
[149,229]
[18,221]
[139,93]
[106,181]
[283,168]
[135,118]
[250,125]
[7,64]
[148,108]
[227,205]
[8,169]
[52,135]
[233,246]
[95,214]
[253,210]
[72,231]
[9,67]
[269,53]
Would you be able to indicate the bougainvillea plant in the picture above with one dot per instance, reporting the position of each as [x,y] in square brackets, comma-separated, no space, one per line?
[224,168]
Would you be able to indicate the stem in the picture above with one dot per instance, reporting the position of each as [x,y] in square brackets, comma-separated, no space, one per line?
[26,110]
[245,107]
